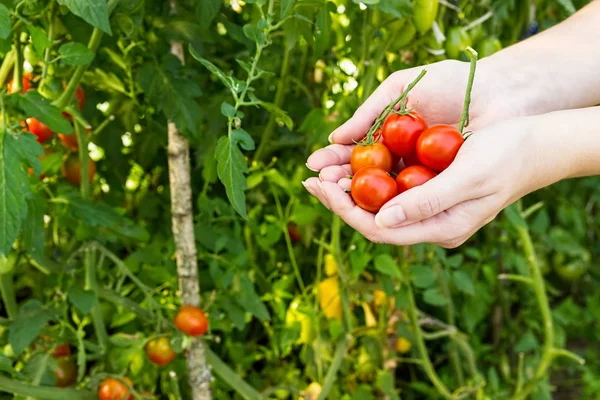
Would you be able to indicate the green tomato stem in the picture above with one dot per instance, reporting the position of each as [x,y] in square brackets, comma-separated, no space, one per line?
[18,70]
[7,64]
[331,376]
[464,118]
[21,388]
[9,298]
[50,40]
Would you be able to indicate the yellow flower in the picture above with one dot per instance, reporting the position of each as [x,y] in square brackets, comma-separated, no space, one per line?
[403,345]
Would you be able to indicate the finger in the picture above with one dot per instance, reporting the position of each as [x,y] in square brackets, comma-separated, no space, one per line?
[334,154]
[345,184]
[314,187]
[335,173]
[451,187]
[357,127]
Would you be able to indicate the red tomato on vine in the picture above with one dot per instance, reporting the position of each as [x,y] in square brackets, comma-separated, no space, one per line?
[437,146]
[372,187]
[400,132]
[114,389]
[159,351]
[39,129]
[375,154]
[191,320]
[26,83]
[65,372]
[71,170]
[410,177]
[62,350]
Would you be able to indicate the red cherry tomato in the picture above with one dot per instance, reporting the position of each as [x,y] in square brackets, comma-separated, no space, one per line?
[71,170]
[114,389]
[372,187]
[400,132]
[411,160]
[62,350]
[437,146]
[375,154]
[159,351]
[38,128]
[191,320]
[415,175]
[65,372]
[26,84]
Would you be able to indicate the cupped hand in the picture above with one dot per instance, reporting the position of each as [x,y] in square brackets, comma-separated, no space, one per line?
[495,166]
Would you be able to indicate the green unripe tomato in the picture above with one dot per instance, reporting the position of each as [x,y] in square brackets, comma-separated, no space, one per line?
[403,36]
[30,55]
[424,13]
[51,88]
[457,40]
[488,46]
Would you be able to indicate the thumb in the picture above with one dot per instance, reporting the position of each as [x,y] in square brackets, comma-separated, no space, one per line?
[451,187]
[356,127]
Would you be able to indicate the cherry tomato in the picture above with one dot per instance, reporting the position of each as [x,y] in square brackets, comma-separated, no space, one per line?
[62,350]
[26,84]
[437,146]
[372,187]
[373,154]
[457,40]
[159,351]
[295,235]
[65,372]
[571,268]
[411,160]
[400,132]
[191,320]
[38,128]
[69,141]
[71,170]
[413,176]
[488,46]
[114,389]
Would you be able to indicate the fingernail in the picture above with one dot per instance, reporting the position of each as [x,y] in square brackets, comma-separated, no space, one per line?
[313,170]
[390,217]
[330,138]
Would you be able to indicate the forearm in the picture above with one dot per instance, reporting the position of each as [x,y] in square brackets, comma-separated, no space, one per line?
[566,145]
[556,69]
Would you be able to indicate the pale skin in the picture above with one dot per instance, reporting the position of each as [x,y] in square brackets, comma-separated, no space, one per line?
[533,121]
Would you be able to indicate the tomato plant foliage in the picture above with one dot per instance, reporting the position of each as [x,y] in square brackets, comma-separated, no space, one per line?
[294,302]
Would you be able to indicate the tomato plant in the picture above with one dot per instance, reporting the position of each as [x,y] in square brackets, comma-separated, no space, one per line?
[372,187]
[375,154]
[400,132]
[191,320]
[413,176]
[438,145]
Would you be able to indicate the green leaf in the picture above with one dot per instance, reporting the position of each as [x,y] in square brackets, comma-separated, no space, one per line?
[6,365]
[323,31]
[227,109]
[93,12]
[396,8]
[434,297]
[514,216]
[272,108]
[232,167]
[172,94]
[250,301]
[385,382]
[75,54]
[99,214]
[41,109]
[208,10]
[286,8]
[14,183]
[83,300]
[463,282]
[385,264]
[422,276]
[228,81]
[235,312]
[5,25]
[39,39]
[526,343]
[27,326]
[359,261]
[256,34]
[33,228]
[568,5]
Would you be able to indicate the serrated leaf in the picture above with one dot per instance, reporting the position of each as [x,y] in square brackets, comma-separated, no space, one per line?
[232,167]
[514,216]
[250,301]
[27,325]
[173,95]
[272,108]
[463,282]
[228,81]
[434,297]
[33,228]
[286,8]
[5,25]
[93,12]
[39,39]
[227,109]
[14,184]
[422,276]
[75,54]
[41,109]
[83,300]
[254,33]
[385,264]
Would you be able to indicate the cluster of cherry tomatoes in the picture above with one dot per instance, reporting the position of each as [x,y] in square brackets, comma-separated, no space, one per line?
[404,135]
[71,168]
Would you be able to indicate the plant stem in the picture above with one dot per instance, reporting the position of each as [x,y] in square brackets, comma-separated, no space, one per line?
[21,388]
[516,278]
[18,70]
[331,376]
[265,139]
[231,378]
[464,118]
[372,74]
[8,295]
[50,41]
[7,64]
[337,254]
[84,160]
[92,285]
